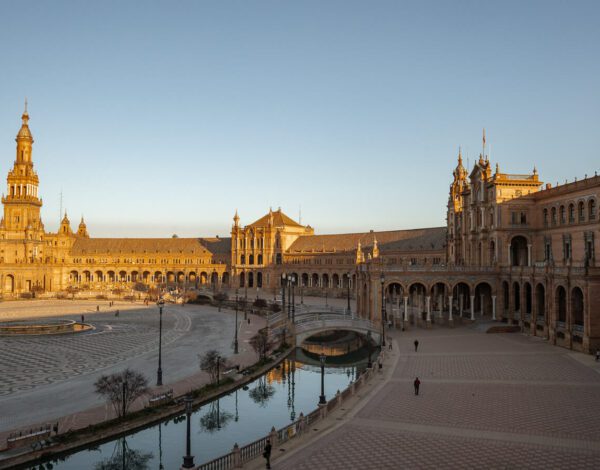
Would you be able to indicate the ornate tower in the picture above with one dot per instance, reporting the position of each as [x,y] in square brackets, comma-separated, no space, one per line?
[82,230]
[22,204]
[455,213]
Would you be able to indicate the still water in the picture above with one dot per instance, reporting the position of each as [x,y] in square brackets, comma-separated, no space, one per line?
[275,399]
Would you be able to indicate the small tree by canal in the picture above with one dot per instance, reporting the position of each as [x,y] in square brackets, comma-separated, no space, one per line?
[261,344]
[212,363]
[122,389]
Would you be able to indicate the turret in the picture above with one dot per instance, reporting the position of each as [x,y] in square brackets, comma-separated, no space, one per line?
[82,230]
[65,226]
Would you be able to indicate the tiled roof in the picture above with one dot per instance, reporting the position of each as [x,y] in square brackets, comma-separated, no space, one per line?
[279,220]
[426,239]
[84,246]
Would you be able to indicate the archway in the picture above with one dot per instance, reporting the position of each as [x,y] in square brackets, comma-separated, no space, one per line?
[439,296]
[315,280]
[461,298]
[98,275]
[528,298]
[518,251]
[483,299]
[325,281]
[250,279]
[225,279]
[516,297]
[304,280]
[561,304]
[242,279]
[540,301]
[259,279]
[577,307]
[9,283]
[416,299]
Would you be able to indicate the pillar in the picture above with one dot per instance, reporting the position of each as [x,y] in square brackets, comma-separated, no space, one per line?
[529,254]
[406,310]
[441,314]
[428,307]
[508,254]
[450,319]
[461,303]
[472,307]
[493,307]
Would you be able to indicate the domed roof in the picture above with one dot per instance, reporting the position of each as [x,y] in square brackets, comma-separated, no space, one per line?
[24,132]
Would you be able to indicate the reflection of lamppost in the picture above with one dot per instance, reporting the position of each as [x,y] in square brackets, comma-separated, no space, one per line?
[382,310]
[160,303]
[235,340]
[293,282]
[188,460]
[322,400]
[348,277]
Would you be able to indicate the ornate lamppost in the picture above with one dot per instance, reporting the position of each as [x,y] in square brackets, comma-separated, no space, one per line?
[160,304]
[348,276]
[188,459]
[370,348]
[383,314]
[283,283]
[235,340]
[322,359]
[293,283]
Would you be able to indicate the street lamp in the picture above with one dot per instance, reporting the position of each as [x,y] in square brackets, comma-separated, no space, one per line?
[218,369]
[235,341]
[188,460]
[322,358]
[348,276]
[383,315]
[160,304]
[283,282]
[293,282]
[370,348]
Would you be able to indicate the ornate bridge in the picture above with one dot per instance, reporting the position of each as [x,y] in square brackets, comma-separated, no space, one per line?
[309,323]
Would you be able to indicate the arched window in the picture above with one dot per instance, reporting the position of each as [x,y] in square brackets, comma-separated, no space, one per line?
[260,259]
[581,211]
[592,209]
[571,214]
[243,259]
[554,216]
[545,217]
[278,258]
[251,259]
[562,215]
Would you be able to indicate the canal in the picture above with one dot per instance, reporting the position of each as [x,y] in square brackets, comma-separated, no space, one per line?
[275,399]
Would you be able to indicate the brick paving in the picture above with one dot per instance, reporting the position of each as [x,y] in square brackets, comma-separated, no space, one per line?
[486,401]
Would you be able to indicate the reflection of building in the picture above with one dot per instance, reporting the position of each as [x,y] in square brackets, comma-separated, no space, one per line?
[515,251]
[510,249]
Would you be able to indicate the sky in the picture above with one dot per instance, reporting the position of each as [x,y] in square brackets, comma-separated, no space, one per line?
[155,118]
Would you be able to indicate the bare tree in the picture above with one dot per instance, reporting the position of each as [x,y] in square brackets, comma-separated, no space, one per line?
[211,362]
[261,343]
[122,389]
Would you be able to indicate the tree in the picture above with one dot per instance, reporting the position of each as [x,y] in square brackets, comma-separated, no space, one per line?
[211,363]
[122,389]
[261,343]
[220,298]
[140,287]
[125,457]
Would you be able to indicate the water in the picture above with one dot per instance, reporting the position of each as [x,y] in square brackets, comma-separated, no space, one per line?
[275,399]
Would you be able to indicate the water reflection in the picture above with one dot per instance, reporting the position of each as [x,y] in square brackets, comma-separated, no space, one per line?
[125,458]
[215,419]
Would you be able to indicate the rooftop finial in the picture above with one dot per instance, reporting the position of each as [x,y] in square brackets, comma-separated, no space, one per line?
[25,106]
[459,155]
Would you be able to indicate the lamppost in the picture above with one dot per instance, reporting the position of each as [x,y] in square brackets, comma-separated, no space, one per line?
[160,304]
[383,315]
[289,287]
[322,358]
[188,460]
[293,282]
[370,348]
[218,370]
[283,282]
[235,340]
[348,276]
[245,295]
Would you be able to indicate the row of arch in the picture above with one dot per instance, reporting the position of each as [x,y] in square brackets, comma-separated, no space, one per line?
[566,214]
[148,277]
[323,281]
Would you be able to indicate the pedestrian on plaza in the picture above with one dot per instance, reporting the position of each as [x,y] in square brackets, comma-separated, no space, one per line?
[597,355]
[97,308]
[267,453]
[82,319]
[390,343]
[416,344]
[117,313]
[248,320]
[416,383]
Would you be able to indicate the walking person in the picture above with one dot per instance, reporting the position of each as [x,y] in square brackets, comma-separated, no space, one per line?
[597,355]
[416,383]
[267,453]
[416,344]
[82,318]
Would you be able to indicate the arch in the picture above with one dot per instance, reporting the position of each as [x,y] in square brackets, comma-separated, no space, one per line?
[325,280]
[571,212]
[204,277]
[111,276]
[170,277]
[553,215]
[314,281]
[225,279]
[251,259]
[346,280]
[483,298]
[192,277]
[561,304]
[540,300]
[461,294]
[99,276]
[259,279]
[243,259]
[562,213]
[335,281]
[134,276]
[86,276]
[395,290]
[278,258]
[242,279]
[304,279]
[9,283]
[417,292]
[545,212]
[492,252]
[74,276]
[516,297]
[250,279]
[518,251]
[146,276]
[157,276]
[214,278]
[180,277]
[577,306]
[528,298]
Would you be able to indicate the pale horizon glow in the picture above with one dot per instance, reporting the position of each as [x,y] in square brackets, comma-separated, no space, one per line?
[154,120]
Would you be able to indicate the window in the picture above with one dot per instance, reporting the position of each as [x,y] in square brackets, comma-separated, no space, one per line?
[571,214]
[566,247]
[589,246]
[592,209]
[523,218]
[545,217]
[547,249]
[581,211]
[562,215]
[554,216]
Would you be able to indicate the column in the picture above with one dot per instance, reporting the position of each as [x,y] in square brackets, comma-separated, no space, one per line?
[441,314]
[450,319]
[472,307]
[508,254]
[428,307]
[406,310]
[461,303]
[493,307]
[529,254]
[481,304]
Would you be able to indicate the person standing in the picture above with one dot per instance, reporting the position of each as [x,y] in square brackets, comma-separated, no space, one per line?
[597,355]
[416,344]
[417,382]
[267,453]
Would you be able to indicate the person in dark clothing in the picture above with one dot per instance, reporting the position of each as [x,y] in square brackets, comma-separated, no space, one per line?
[82,318]
[416,344]
[417,382]
[267,453]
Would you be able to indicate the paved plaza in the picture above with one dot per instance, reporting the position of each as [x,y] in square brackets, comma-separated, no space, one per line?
[48,377]
[485,401]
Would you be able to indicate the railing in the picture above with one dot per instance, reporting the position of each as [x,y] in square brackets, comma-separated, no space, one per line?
[240,455]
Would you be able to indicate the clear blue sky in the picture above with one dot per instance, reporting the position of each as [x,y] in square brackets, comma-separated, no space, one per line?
[164,117]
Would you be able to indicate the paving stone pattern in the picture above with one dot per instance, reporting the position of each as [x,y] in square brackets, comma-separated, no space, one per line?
[486,401]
